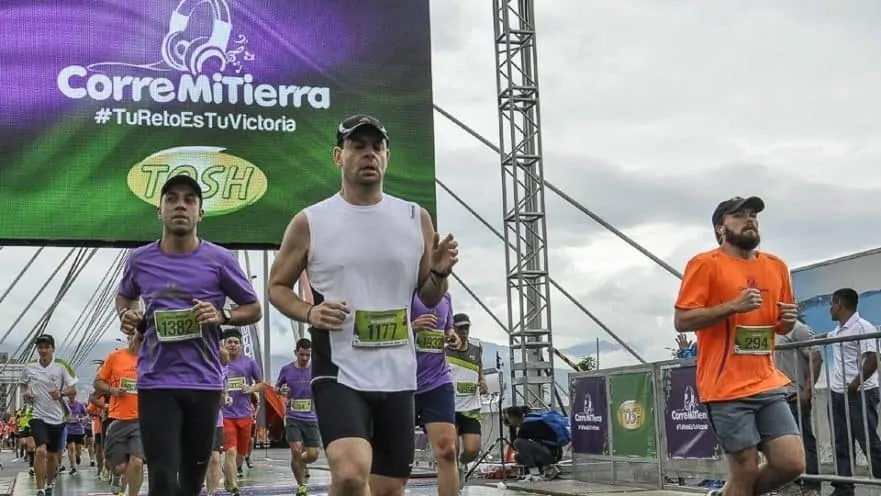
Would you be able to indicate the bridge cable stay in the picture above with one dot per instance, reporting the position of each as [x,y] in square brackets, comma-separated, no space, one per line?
[37,295]
[90,309]
[19,350]
[586,211]
[102,315]
[94,302]
[27,346]
[98,331]
[553,282]
[21,273]
[79,263]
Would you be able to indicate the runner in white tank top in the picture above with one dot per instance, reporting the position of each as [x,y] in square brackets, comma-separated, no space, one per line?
[365,253]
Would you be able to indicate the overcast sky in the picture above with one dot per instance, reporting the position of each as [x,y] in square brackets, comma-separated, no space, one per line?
[652,112]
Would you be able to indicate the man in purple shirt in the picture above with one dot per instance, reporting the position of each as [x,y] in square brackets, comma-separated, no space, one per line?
[244,378]
[184,282]
[301,426]
[435,397]
[76,432]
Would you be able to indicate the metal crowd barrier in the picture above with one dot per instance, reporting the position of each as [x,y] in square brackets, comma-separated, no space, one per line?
[644,425]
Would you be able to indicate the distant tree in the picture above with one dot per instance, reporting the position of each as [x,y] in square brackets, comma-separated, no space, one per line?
[587,363]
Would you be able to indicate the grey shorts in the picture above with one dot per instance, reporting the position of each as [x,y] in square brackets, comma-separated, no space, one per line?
[747,422]
[122,441]
[301,431]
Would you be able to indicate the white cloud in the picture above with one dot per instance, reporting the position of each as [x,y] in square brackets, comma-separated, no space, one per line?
[652,112]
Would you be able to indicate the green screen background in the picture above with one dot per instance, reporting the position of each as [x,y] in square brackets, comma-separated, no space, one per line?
[65,184]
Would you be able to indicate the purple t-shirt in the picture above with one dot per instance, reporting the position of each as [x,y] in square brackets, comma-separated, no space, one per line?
[177,353]
[224,373]
[75,425]
[432,368]
[243,371]
[299,404]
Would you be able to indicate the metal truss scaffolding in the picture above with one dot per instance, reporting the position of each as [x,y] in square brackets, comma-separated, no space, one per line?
[526,258]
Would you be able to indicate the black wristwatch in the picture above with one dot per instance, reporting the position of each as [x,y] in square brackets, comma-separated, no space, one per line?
[227,316]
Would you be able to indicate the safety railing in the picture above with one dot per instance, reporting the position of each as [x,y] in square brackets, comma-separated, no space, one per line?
[644,425]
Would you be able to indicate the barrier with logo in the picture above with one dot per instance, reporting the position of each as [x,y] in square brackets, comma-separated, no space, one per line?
[686,423]
[645,425]
[614,433]
[108,99]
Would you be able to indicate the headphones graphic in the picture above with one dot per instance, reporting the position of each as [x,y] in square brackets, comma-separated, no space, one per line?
[190,55]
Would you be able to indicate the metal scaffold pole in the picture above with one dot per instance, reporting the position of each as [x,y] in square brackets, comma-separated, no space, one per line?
[526,258]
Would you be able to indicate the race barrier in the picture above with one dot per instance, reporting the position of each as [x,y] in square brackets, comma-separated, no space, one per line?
[645,425]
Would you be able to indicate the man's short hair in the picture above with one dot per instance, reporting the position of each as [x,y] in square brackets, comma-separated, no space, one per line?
[304,344]
[846,297]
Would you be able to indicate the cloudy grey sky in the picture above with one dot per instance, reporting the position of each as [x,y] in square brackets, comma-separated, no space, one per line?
[652,112]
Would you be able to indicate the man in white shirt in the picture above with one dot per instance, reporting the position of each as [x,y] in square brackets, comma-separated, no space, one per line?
[44,383]
[854,384]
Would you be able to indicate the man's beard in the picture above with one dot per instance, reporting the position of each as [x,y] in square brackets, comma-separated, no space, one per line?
[742,241]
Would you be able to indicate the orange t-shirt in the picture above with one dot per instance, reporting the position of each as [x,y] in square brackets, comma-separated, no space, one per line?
[120,370]
[713,278]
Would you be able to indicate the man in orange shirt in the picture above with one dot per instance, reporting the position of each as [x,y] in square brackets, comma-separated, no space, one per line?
[736,298]
[118,377]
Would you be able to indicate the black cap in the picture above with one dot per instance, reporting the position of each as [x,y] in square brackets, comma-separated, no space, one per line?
[45,338]
[732,205]
[350,124]
[182,180]
[461,320]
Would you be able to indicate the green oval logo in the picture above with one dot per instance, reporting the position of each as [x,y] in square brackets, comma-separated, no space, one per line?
[229,183]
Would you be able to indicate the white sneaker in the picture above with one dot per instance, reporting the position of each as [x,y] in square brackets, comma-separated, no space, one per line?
[531,478]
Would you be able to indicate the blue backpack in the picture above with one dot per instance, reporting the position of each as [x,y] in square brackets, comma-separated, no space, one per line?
[557,422]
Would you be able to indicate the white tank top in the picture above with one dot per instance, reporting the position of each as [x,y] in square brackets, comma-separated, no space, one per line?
[368,256]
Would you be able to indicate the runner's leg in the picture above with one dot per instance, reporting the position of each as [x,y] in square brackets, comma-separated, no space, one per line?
[741,425]
[230,438]
[468,425]
[394,442]
[345,423]
[781,443]
[212,478]
[54,448]
[199,424]
[161,417]
[437,413]
[244,428]
[294,437]
[40,434]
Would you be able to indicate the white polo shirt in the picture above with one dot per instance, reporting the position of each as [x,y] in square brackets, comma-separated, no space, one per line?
[848,357]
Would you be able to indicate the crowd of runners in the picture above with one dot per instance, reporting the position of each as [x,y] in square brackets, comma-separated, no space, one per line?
[386,351]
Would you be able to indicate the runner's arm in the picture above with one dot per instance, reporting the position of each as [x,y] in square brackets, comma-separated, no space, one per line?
[257,377]
[693,310]
[786,296]
[102,378]
[287,267]
[68,383]
[101,386]
[431,287]
[224,355]
[124,304]
[238,287]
